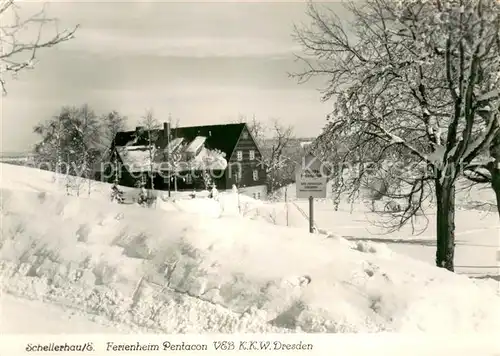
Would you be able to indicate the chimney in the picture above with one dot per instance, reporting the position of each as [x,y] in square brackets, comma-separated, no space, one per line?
[166,130]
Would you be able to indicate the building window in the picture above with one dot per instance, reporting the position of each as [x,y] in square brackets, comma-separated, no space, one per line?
[239,155]
[245,135]
[256,195]
[238,176]
[255,175]
[252,155]
[189,179]
[143,180]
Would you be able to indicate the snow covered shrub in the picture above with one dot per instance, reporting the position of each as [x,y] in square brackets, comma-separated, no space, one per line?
[207,180]
[146,199]
[142,197]
[117,194]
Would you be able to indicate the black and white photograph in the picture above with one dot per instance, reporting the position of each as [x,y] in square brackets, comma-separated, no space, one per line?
[225,167]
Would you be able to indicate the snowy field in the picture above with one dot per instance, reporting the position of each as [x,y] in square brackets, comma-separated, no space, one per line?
[199,265]
[477,228]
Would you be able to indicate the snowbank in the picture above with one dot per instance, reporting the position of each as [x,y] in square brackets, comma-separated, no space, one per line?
[175,270]
[182,272]
[35,180]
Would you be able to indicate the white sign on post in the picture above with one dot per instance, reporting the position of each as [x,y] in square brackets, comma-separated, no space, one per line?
[310,178]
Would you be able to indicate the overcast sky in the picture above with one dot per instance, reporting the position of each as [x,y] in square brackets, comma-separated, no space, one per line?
[204,63]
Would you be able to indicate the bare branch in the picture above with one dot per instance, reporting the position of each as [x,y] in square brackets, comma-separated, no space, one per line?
[17,53]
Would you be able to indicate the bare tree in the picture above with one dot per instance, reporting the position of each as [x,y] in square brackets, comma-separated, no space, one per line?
[258,130]
[279,165]
[410,84]
[173,158]
[19,50]
[275,142]
[87,142]
[112,123]
[150,128]
[48,151]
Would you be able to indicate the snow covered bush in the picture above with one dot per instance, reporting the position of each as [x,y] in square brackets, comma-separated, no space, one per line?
[207,180]
[116,194]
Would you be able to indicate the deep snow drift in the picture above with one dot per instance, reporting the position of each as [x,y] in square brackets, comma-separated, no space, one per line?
[174,271]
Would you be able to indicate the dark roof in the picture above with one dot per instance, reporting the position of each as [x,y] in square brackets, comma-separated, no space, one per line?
[222,137]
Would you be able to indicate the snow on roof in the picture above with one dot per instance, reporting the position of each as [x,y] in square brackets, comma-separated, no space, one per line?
[206,160]
[196,144]
[136,158]
[174,144]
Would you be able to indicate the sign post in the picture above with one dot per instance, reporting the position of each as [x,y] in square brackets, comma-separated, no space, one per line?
[311,215]
[311,180]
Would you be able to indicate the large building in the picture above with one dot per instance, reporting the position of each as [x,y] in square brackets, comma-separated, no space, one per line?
[189,158]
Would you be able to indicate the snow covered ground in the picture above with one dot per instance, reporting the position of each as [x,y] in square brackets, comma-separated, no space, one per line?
[477,231]
[199,265]
[21,316]
[477,236]
[477,228]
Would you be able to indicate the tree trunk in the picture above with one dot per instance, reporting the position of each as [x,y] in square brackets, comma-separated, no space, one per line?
[494,168]
[445,223]
[495,183]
